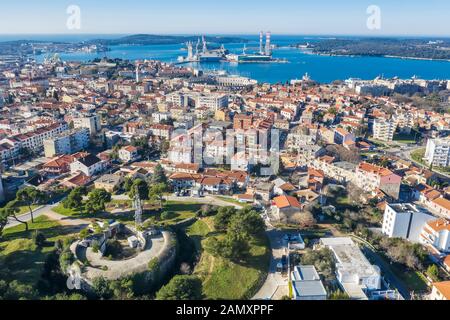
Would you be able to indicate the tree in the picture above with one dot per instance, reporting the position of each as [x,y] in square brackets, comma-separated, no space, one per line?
[97,199]
[39,238]
[304,219]
[156,193]
[246,223]
[122,289]
[234,247]
[101,288]
[322,260]
[30,196]
[10,210]
[75,198]
[139,187]
[144,148]
[339,295]
[181,287]
[433,272]
[127,184]
[159,176]
[223,217]
[165,145]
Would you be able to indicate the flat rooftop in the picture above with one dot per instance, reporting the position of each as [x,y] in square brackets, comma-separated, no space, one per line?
[349,257]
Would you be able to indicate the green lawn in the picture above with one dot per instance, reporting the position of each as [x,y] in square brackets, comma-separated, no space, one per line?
[378,143]
[411,279]
[223,279]
[20,258]
[230,200]
[406,138]
[65,211]
[41,223]
[25,209]
[418,155]
[181,210]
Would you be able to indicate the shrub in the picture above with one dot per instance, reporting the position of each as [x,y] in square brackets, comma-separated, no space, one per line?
[38,238]
[167,215]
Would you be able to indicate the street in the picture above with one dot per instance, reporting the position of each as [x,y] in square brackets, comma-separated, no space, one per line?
[275,283]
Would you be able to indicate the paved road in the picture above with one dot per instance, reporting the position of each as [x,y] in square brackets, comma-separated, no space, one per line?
[47,211]
[405,154]
[274,281]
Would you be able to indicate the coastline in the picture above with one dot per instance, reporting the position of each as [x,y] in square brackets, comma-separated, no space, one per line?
[310,51]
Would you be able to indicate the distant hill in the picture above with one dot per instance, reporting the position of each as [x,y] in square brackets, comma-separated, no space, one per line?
[150,39]
[411,48]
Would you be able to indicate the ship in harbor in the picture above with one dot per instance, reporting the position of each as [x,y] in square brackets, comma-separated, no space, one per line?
[205,55]
[264,54]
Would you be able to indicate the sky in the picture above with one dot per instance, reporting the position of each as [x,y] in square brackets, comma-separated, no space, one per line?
[302,17]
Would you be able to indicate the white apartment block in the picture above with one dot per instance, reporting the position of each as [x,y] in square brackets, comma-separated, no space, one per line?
[405,221]
[300,137]
[160,116]
[32,140]
[67,143]
[235,81]
[181,99]
[438,152]
[384,129]
[436,234]
[212,101]
[91,122]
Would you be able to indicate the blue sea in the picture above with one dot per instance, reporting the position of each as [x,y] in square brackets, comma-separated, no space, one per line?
[320,68]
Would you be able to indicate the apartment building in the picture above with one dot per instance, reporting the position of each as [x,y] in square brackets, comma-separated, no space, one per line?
[91,122]
[406,221]
[67,142]
[371,177]
[438,152]
[436,234]
[33,141]
[301,136]
[384,130]
[342,136]
[441,291]
[212,101]
[128,154]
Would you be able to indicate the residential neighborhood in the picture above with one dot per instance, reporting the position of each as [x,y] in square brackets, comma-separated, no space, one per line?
[133,177]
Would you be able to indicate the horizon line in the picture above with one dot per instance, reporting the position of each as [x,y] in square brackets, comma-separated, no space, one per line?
[226,34]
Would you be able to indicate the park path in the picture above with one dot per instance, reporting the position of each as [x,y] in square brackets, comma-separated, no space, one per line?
[47,211]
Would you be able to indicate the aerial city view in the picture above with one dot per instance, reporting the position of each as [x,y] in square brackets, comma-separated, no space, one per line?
[252,151]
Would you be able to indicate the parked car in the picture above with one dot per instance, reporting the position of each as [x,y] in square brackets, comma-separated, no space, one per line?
[279,267]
